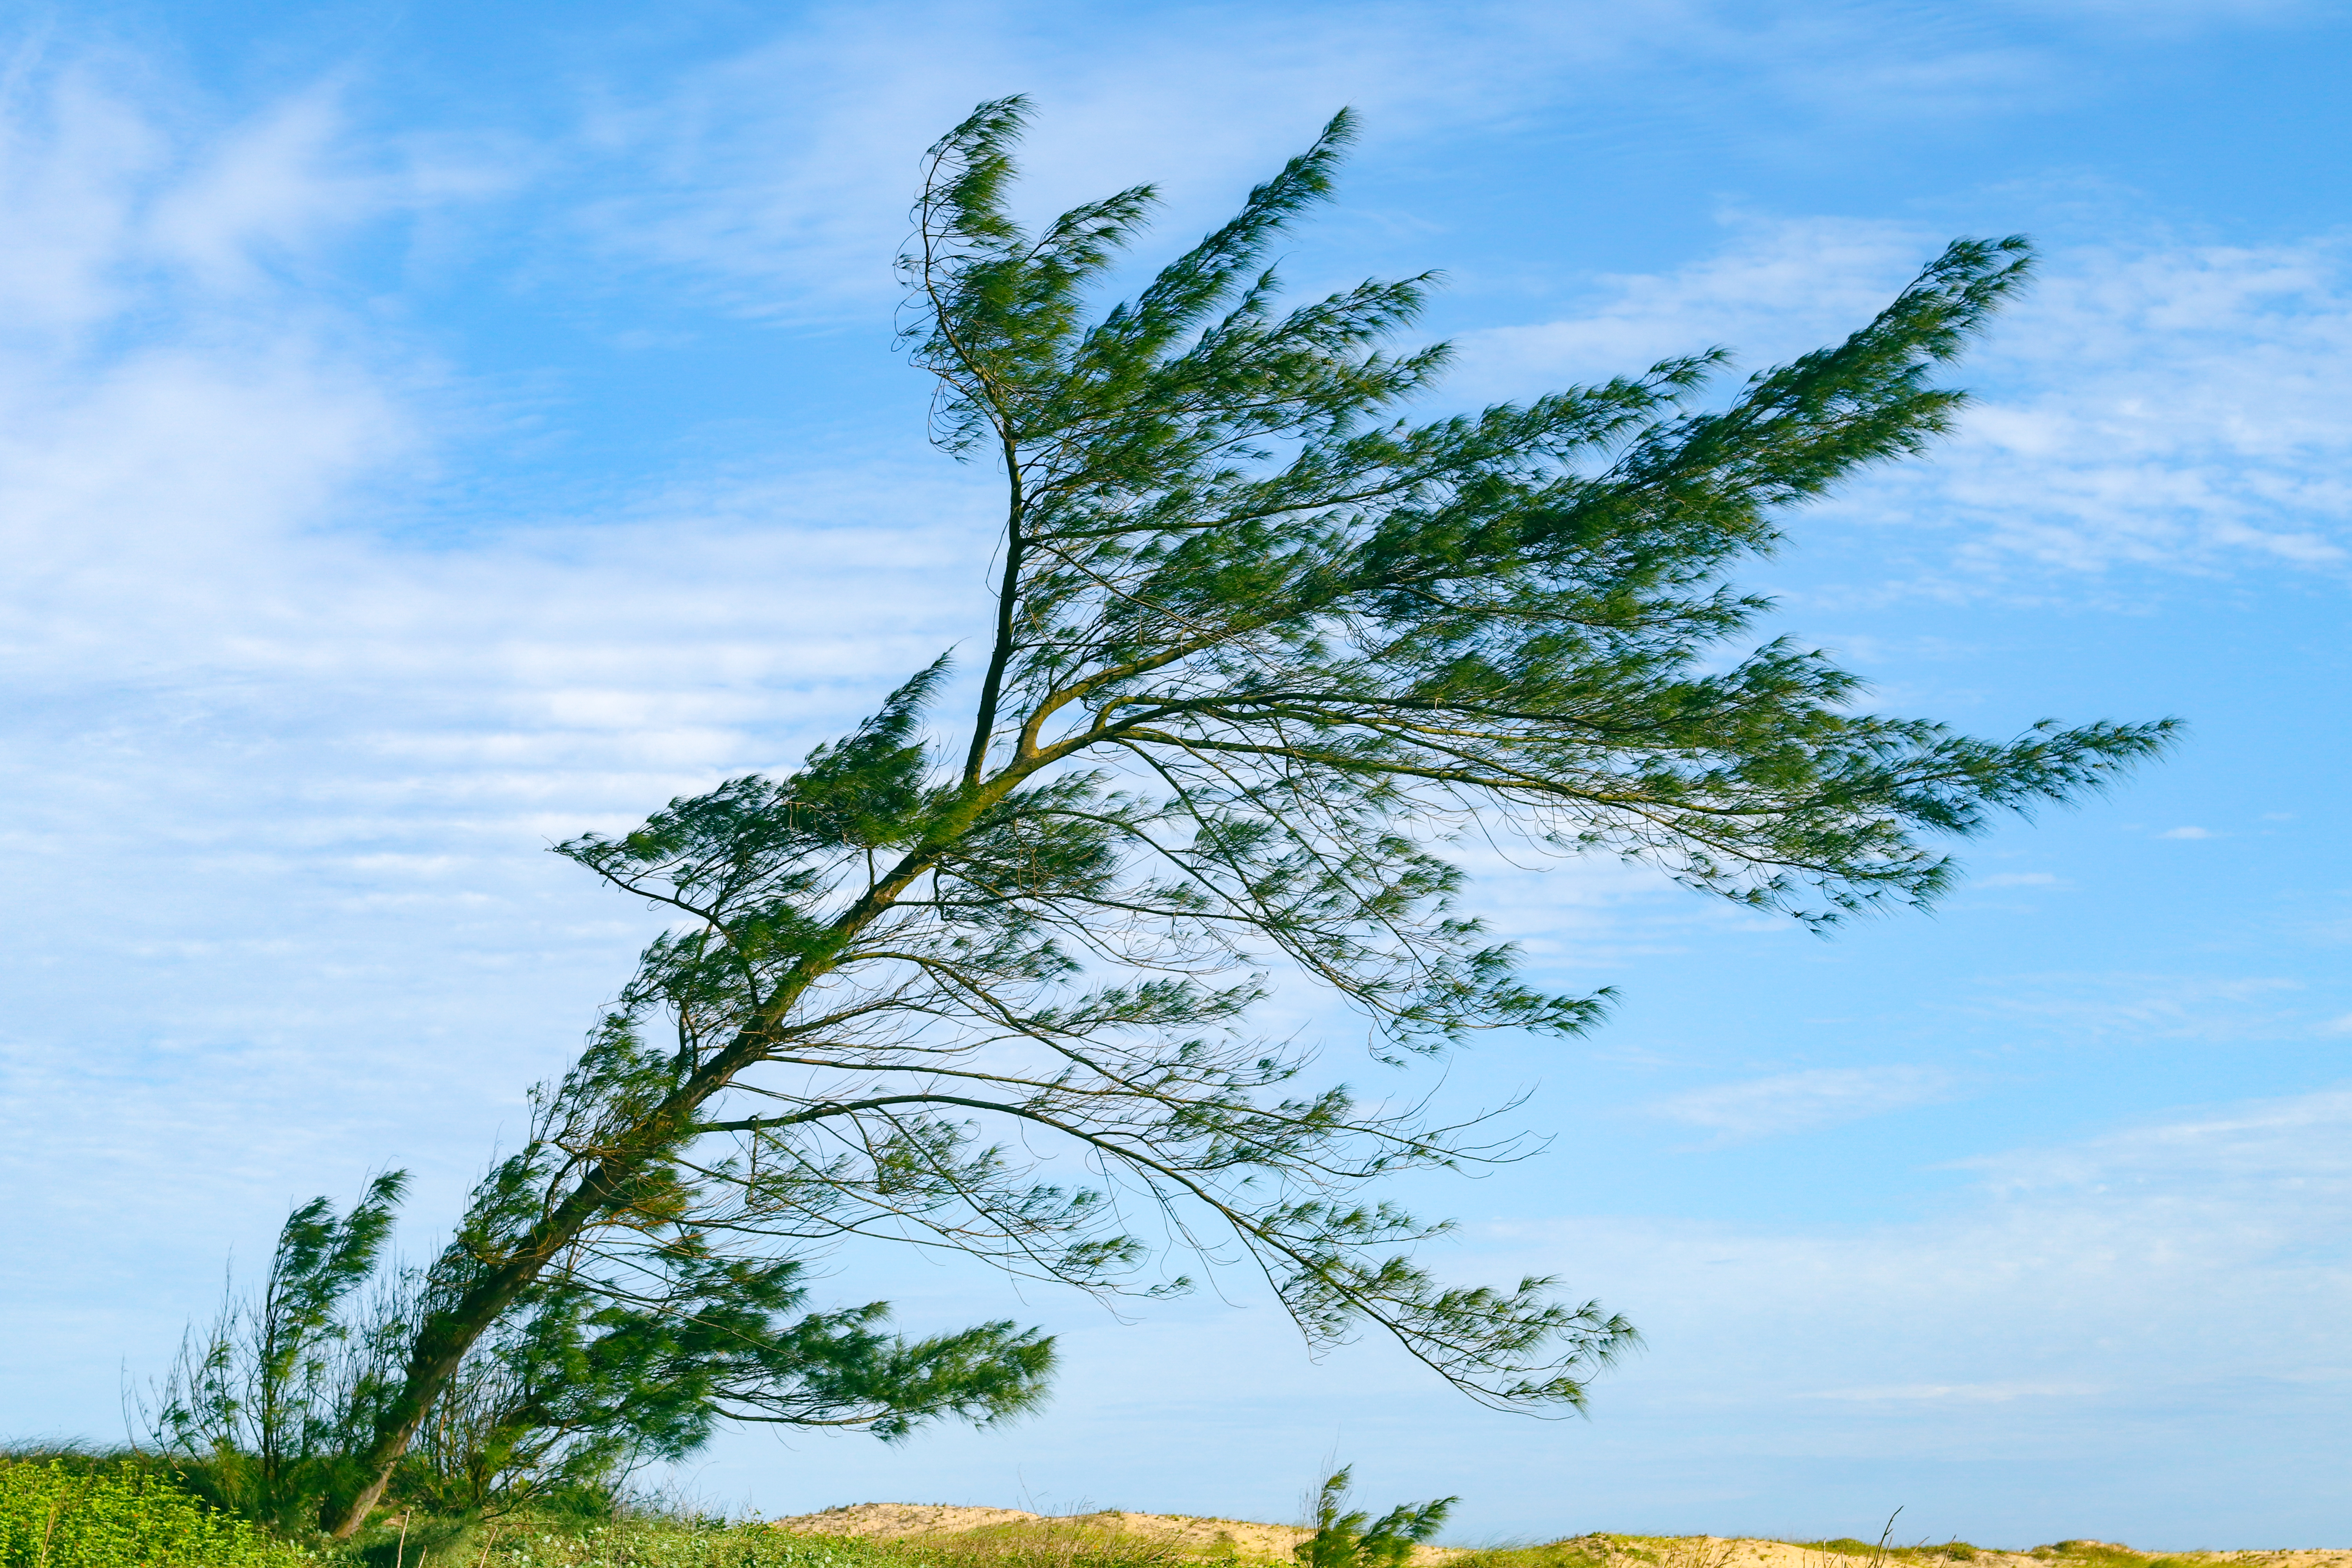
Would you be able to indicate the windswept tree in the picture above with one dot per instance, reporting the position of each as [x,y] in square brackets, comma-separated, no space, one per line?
[1258,649]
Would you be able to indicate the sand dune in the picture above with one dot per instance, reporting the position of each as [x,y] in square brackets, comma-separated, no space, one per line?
[1249,1541]
[1209,1536]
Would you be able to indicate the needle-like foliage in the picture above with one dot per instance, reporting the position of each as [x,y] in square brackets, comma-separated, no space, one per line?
[256,1401]
[1259,648]
[1352,1538]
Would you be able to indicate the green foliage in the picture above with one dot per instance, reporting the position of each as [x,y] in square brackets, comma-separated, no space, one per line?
[1262,649]
[1600,1550]
[591,1375]
[658,1538]
[533,1541]
[581,1381]
[1573,1552]
[262,1409]
[1356,1539]
[2108,1554]
[1848,1546]
[62,1515]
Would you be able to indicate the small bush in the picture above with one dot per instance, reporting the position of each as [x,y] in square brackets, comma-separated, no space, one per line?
[1357,1539]
[1885,1551]
[2093,1554]
[60,1514]
[1576,1551]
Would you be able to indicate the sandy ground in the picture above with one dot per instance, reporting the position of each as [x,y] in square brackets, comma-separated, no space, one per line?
[1272,1543]
[1712,1551]
[909,1521]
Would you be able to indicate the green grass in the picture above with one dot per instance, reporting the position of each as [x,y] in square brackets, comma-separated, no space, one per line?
[2108,1554]
[74,1508]
[524,1543]
[1675,1551]
[1593,1551]
[1579,1552]
[618,1543]
[1847,1546]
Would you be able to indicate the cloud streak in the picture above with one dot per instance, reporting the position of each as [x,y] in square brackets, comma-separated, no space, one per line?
[1806,1101]
[2185,409]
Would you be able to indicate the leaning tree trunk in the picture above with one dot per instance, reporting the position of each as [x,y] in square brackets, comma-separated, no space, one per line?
[445,1337]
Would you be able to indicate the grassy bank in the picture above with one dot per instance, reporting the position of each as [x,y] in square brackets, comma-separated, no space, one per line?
[66,1508]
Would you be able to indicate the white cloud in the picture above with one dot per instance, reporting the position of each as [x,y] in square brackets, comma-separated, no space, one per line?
[1957,1393]
[2005,1296]
[1777,289]
[279,787]
[2269,1166]
[2181,408]
[2018,880]
[123,199]
[778,180]
[2174,16]
[2188,407]
[1807,1101]
[2148,1006]
[2186,832]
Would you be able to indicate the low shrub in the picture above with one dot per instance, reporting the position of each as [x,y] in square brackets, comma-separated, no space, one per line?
[525,1543]
[1576,1551]
[629,1543]
[1886,1551]
[57,1513]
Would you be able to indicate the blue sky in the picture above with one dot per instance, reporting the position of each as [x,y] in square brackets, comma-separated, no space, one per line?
[429,431]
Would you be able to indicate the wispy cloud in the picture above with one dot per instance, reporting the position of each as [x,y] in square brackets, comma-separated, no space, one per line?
[1806,1101]
[283,782]
[2162,17]
[1956,1393]
[2148,1006]
[776,179]
[2064,1304]
[2186,408]
[1775,290]
[2286,1152]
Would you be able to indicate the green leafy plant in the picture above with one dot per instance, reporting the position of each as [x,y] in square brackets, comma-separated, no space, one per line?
[1354,1538]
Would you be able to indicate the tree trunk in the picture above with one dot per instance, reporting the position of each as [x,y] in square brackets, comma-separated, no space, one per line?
[443,1339]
